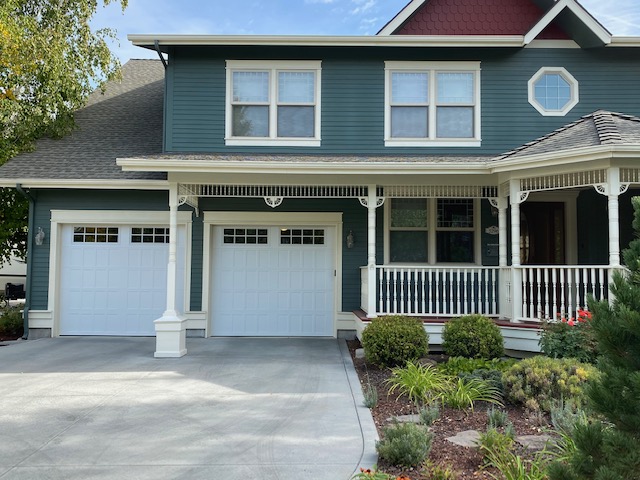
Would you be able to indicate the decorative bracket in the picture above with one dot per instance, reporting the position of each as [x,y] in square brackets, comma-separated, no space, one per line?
[521,198]
[190,200]
[493,202]
[364,201]
[273,202]
[603,188]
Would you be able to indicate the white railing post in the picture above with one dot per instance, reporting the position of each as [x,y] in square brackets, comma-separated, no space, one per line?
[372,202]
[516,197]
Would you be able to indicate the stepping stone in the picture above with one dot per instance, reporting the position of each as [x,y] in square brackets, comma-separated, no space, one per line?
[534,442]
[405,419]
[468,438]
[359,352]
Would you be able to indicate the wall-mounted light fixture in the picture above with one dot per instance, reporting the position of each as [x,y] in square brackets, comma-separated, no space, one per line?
[350,239]
[39,236]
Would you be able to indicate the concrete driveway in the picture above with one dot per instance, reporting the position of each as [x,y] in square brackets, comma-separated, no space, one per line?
[99,407]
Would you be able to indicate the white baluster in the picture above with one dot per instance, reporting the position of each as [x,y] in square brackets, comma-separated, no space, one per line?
[554,293]
[395,290]
[388,273]
[424,290]
[402,298]
[563,305]
[415,290]
[546,292]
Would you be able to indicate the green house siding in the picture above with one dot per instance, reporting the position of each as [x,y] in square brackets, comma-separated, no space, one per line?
[353,95]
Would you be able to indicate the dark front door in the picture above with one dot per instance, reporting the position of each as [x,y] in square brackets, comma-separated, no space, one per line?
[542,239]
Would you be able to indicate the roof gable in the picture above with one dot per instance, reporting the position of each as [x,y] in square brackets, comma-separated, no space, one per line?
[476,17]
[532,19]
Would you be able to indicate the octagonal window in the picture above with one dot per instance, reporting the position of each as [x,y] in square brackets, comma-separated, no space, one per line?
[553,91]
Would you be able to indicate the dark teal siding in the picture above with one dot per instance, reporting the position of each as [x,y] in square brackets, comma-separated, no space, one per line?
[196,263]
[353,95]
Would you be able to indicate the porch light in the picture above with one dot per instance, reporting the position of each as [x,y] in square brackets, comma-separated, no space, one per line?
[350,239]
[39,237]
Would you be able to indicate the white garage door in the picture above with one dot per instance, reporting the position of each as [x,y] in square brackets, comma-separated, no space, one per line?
[273,281]
[113,278]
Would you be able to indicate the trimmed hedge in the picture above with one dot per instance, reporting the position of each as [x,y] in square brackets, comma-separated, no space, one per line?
[472,336]
[394,340]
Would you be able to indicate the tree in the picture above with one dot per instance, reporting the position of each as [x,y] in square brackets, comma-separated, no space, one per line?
[50,60]
[610,450]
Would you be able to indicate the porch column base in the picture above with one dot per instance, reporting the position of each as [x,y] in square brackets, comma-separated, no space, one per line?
[171,336]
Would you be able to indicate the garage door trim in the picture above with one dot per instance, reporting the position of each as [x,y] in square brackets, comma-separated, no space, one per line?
[60,218]
[292,219]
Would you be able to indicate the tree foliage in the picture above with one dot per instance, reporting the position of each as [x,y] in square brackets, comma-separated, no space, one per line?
[611,450]
[50,60]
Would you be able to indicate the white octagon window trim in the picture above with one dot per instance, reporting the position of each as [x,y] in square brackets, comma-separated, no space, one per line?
[433,102]
[271,70]
[571,83]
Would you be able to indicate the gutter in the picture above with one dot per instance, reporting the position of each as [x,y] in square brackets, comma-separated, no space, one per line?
[30,228]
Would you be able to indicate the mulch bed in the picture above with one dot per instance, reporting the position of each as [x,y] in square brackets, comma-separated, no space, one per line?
[465,462]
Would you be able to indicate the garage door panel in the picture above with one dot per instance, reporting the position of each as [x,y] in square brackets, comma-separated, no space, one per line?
[271,289]
[114,287]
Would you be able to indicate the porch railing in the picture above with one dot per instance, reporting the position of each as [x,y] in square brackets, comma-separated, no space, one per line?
[552,290]
[422,291]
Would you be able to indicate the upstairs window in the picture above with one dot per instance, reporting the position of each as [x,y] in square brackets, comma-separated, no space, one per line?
[553,91]
[429,104]
[273,103]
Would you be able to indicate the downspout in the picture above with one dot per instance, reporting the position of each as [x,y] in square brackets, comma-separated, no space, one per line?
[30,227]
[156,43]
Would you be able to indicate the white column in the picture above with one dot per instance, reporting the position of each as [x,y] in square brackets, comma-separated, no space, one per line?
[502,229]
[171,327]
[515,199]
[614,216]
[372,201]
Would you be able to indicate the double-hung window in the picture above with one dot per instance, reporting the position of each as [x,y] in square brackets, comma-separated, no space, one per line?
[432,104]
[273,103]
[432,230]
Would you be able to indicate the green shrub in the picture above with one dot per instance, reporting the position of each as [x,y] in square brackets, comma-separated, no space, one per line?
[438,472]
[404,444]
[497,418]
[457,365]
[394,340]
[494,441]
[423,384]
[540,381]
[429,414]
[11,323]
[564,340]
[472,336]
[493,377]
[370,394]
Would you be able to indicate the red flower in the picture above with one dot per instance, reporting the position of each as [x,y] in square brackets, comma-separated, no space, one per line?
[571,322]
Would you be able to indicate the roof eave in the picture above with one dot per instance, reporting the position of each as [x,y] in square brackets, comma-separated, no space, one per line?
[87,184]
[564,157]
[306,168]
[165,41]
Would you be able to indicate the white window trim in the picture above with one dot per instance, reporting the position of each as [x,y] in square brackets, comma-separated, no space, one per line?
[570,79]
[432,68]
[273,67]
[431,230]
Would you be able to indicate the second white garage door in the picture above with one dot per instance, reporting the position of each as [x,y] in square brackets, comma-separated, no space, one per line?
[273,281]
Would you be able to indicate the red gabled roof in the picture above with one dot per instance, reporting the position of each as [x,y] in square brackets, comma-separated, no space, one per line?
[477,17]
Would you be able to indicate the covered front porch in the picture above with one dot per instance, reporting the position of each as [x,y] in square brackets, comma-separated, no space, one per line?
[519,287]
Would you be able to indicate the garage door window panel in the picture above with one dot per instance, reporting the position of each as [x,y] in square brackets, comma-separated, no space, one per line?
[87,234]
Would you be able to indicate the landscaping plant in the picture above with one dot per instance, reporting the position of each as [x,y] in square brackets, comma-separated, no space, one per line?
[540,381]
[394,340]
[423,384]
[473,336]
[610,450]
[462,394]
[570,338]
[404,444]
[11,323]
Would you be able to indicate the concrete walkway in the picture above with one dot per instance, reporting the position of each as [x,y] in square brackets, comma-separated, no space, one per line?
[99,407]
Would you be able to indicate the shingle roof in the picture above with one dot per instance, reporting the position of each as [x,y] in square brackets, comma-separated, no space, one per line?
[598,128]
[126,120]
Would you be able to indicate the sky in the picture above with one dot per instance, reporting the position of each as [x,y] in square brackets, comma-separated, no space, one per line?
[291,17]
